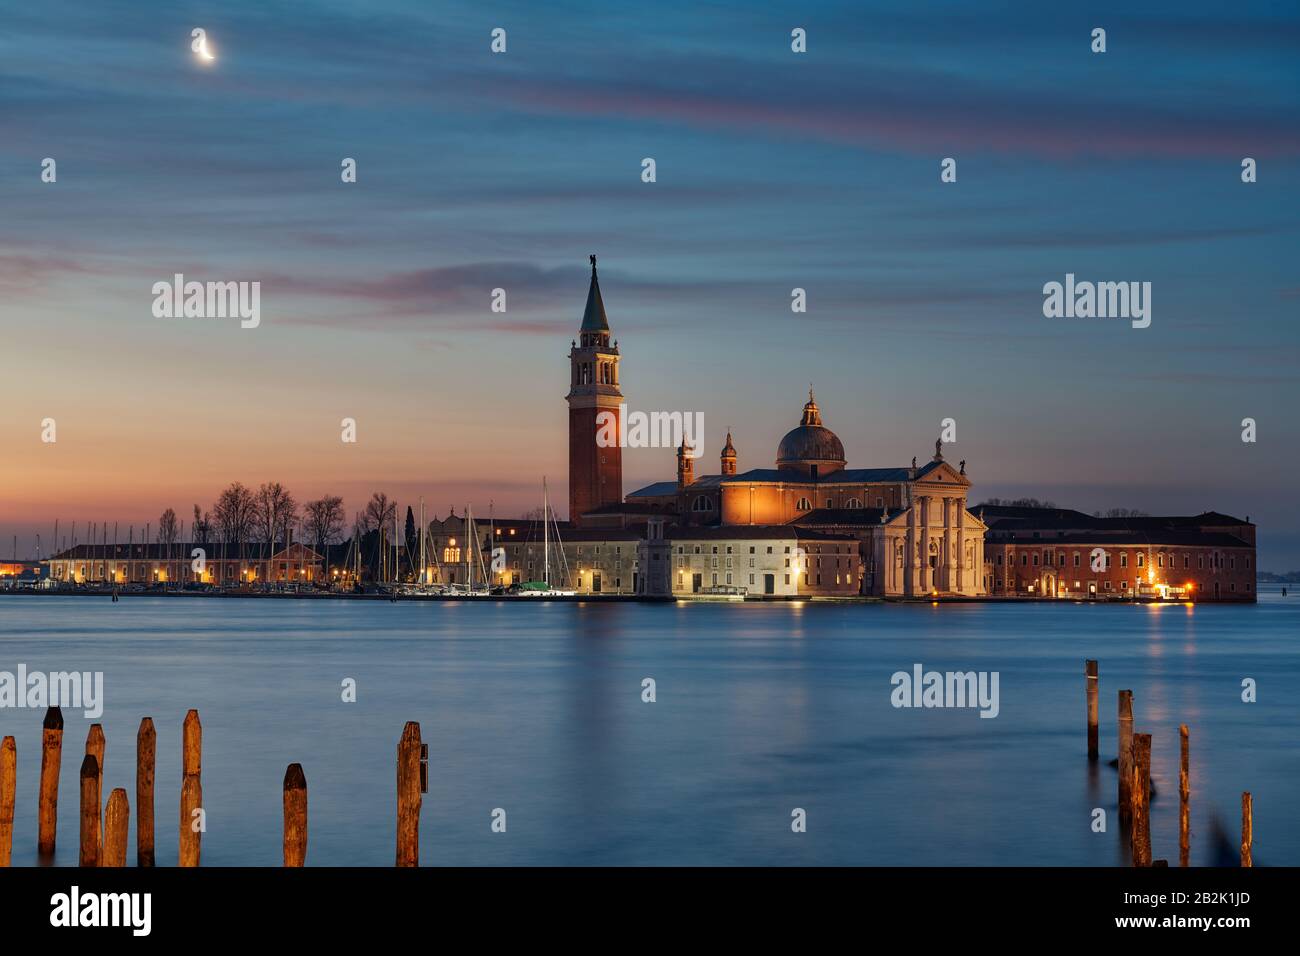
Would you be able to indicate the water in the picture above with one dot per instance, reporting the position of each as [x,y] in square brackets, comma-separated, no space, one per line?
[761,708]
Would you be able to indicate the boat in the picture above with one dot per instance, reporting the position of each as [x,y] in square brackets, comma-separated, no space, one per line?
[544,588]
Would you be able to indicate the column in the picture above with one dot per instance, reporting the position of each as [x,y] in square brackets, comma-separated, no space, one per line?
[948,545]
[961,547]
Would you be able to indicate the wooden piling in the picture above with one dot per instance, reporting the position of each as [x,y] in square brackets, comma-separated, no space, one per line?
[408,796]
[146,749]
[47,804]
[1125,753]
[295,816]
[117,821]
[1090,679]
[192,745]
[8,779]
[191,838]
[1247,829]
[1184,799]
[90,835]
[95,748]
[1141,795]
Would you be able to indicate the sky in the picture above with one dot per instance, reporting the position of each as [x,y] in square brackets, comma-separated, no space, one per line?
[774,170]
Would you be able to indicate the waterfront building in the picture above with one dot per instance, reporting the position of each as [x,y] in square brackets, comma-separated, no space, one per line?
[1061,553]
[222,564]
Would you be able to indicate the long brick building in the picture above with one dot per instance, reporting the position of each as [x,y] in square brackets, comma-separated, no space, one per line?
[1060,553]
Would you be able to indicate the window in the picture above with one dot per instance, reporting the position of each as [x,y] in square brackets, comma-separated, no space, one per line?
[1140,556]
[830,503]
[853,503]
[702,504]
[1123,559]
[803,504]
[1076,561]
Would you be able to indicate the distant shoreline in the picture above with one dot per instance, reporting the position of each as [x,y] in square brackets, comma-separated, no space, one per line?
[597,598]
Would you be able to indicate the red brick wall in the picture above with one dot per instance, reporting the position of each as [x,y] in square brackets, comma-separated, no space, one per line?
[595,473]
[1196,569]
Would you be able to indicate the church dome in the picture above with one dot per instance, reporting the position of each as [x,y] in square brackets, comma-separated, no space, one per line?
[811,444]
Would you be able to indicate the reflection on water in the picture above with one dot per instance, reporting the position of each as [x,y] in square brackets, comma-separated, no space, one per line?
[760,709]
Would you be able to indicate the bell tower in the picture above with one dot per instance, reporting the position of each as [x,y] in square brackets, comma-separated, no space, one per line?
[595,457]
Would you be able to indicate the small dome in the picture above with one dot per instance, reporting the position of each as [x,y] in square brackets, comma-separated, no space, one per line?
[728,450]
[812,443]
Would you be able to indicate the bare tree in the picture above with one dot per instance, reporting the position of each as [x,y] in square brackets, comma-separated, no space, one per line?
[167,528]
[275,511]
[1120,513]
[379,512]
[234,513]
[324,519]
[1016,503]
[202,526]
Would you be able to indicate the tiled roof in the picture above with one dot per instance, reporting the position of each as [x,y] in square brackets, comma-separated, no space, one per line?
[657,490]
[1121,538]
[842,516]
[782,532]
[177,551]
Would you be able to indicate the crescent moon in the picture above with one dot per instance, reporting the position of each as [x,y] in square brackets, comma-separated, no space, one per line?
[203,51]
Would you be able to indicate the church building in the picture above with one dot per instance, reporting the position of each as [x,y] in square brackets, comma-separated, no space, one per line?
[912,531]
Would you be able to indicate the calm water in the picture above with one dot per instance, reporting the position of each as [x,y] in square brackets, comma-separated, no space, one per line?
[761,708]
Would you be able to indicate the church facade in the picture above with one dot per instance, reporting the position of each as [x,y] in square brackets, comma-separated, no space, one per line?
[909,528]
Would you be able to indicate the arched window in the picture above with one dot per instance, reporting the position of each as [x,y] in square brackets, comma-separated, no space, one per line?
[803,504]
[702,504]
[853,503]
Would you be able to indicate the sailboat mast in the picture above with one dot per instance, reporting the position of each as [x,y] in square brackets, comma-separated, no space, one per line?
[546,534]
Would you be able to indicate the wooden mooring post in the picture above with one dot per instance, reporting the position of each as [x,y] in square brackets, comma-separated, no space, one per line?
[47,803]
[90,835]
[408,795]
[146,749]
[1141,796]
[117,821]
[1125,753]
[191,836]
[1247,829]
[8,781]
[95,748]
[295,816]
[1184,799]
[1090,678]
